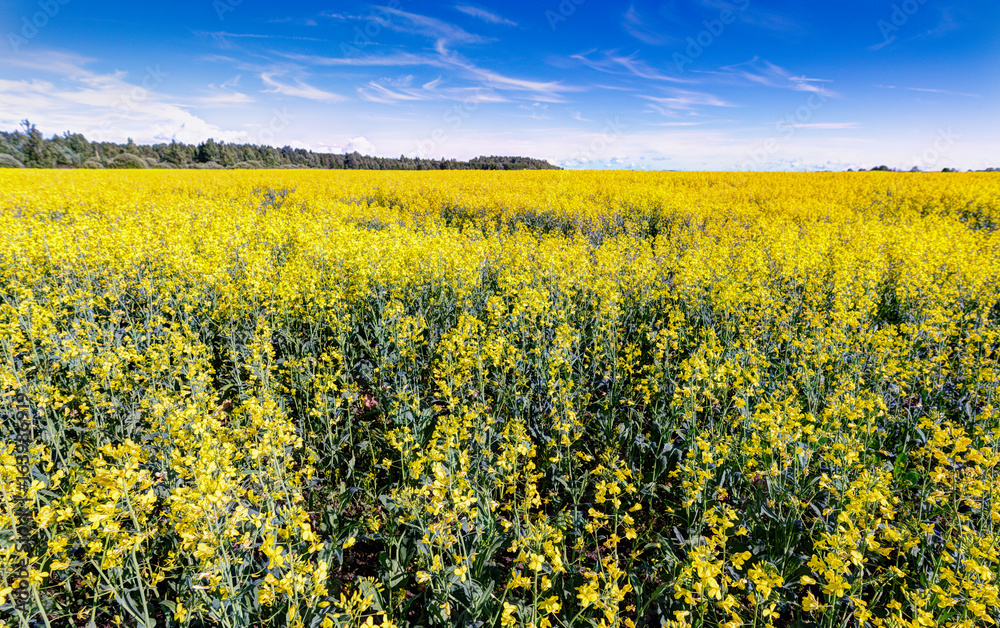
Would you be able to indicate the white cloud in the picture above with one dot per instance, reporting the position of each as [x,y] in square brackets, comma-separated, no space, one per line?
[537,90]
[765,73]
[622,65]
[678,123]
[444,34]
[635,25]
[826,126]
[686,100]
[359,144]
[299,89]
[109,107]
[224,99]
[390,60]
[485,15]
[222,37]
[373,92]
[930,90]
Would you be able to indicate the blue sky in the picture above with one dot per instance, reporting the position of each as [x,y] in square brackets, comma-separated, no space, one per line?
[698,85]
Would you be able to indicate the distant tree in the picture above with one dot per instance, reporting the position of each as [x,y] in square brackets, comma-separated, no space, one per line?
[8,161]
[75,151]
[79,145]
[63,156]
[127,160]
[207,151]
[173,154]
[37,153]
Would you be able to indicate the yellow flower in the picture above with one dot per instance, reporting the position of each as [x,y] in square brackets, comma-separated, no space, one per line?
[550,605]
[810,603]
[588,594]
[535,562]
[507,618]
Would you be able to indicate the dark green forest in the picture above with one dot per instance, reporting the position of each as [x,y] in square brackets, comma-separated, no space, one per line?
[28,148]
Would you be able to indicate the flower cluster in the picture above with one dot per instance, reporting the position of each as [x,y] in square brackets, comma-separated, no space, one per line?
[546,399]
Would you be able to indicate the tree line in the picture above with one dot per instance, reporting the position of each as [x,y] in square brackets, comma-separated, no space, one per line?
[28,148]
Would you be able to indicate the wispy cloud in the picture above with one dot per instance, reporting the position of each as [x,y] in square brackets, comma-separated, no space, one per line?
[297,89]
[678,123]
[614,63]
[684,100]
[757,72]
[294,20]
[485,15]
[376,92]
[401,91]
[536,111]
[445,35]
[224,99]
[475,95]
[753,14]
[947,24]
[67,65]
[400,59]
[508,82]
[224,95]
[490,80]
[826,126]
[457,69]
[223,36]
[636,26]
[931,91]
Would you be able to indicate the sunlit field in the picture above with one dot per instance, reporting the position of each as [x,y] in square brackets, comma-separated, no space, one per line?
[320,398]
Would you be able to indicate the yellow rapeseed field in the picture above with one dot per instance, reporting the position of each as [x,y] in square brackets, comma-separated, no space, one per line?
[324,398]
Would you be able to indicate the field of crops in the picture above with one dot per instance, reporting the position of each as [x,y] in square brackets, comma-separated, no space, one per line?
[315,398]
